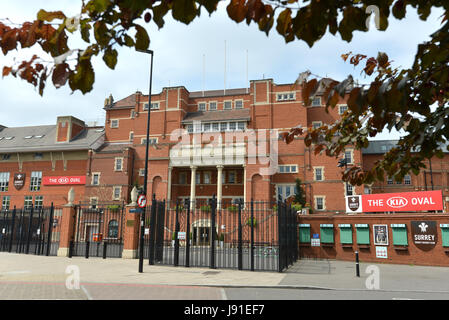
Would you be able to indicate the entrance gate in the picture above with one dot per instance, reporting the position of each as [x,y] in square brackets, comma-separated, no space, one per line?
[98,231]
[245,236]
[30,230]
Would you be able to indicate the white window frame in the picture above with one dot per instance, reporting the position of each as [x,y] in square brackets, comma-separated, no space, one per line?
[316,124]
[314,100]
[235,104]
[216,105]
[339,108]
[202,103]
[408,181]
[315,173]
[4,181]
[230,105]
[121,163]
[352,155]
[35,181]
[292,168]
[285,96]
[184,175]
[283,188]
[117,121]
[38,202]
[114,197]
[93,203]
[154,106]
[316,202]
[348,187]
[131,136]
[197,177]
[152,141]
[6,202]
[28,199]
[207,177]
[142,172]
[229,175]
[98,174]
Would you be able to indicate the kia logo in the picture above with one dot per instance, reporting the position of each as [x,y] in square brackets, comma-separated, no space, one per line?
[397,202]
[63,180]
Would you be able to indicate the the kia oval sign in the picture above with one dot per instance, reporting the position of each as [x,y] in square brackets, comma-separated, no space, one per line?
[65,180]
[396,202]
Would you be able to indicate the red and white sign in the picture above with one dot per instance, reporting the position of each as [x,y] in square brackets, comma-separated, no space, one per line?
[142,201]
[396,202]
[63,180]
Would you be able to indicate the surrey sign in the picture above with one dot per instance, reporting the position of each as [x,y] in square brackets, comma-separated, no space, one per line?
[425,235]
[395,202]
[19,180]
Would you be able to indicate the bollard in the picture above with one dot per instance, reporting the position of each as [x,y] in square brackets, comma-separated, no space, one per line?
[357,268]
[105,246]
[87,249]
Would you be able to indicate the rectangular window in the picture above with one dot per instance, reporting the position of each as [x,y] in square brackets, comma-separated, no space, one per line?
[304,233]
[239,104]
[399,234]
[118,166]
[38,156]
[4,181]
[182,178]
[318,174]
[327,233]
[35,180]
[316,124]
[287,168]
[227,105]
[285,96]
[349,189]
[206,178]
[114,123]
[93,202]
[362,233]
[142,172]
[189,128]
[95,179]
[348,156]
[206,127]
[202,106]
[212,106]
[154,106]
[389,180]
[232,126]
[407,179]
[215,127]
[319,203]
[345,233]
[28,204]
[223,126]
[342,109]
[6,202]
[116,193]
[316,102]
[198,178]
[5,156]
[38,202]
[231,177]
[131,136]
[241,126]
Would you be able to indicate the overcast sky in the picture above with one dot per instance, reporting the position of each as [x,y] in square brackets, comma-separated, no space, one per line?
[179,50]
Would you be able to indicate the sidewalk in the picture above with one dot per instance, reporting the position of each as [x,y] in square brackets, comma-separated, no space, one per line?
[316,274]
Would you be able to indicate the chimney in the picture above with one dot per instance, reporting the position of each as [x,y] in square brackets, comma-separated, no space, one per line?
[68,127]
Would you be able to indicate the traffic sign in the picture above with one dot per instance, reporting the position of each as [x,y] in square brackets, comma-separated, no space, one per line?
[142,201]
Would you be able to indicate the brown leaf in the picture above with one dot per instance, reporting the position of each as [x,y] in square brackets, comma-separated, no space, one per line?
[308,88]
[371,64]
[6,71]
[60,75]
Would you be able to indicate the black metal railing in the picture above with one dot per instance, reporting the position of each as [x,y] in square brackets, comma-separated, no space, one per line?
[246,236]
[30,230]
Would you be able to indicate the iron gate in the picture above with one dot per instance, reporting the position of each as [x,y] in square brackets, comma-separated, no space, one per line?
[30,230]
[245,236]
[98,231]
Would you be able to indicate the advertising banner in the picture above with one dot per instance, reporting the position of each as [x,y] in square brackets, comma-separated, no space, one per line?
[63,180]
[395,202]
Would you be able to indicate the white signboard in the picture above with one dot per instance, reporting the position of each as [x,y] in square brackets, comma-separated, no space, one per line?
[147,231]
[315,242]
[181,235]
[354,204]
[381,252]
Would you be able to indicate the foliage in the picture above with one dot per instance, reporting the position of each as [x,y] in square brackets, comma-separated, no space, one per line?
[297,206]
[233,208]
[300,195]
[414,99]
[248,222]
[206,208]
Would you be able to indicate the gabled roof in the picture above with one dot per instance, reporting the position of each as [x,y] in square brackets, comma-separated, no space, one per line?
[225,115]
[125,103]
[43,138]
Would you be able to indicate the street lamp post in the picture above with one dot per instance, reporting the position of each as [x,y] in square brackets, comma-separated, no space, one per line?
[142,220]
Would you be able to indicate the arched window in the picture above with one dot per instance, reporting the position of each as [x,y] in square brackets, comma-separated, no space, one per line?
[113,229]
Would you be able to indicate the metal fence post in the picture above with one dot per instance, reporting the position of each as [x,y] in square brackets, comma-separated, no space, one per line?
[280,244]
[71,248]
[252,235]
[30,225]
[240,247]
[152,231]
[187,205]
[105,248]
[176,253]
[87,249]
[12,229]
[212,242]
[50,229]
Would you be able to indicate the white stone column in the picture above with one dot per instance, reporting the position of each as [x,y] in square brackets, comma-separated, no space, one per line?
[219,185]
[192,186]
[169,184]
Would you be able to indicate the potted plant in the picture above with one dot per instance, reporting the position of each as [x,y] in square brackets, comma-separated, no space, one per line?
[233,208]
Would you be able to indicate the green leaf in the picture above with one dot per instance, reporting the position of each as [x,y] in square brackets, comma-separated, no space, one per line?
[101,33]
[142,38]
[83,78]
[184,10]
[110,58]
[43,15]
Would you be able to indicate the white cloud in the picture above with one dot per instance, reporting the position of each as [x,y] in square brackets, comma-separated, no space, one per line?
[178,61]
